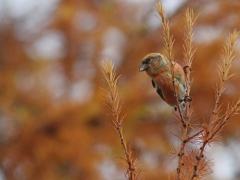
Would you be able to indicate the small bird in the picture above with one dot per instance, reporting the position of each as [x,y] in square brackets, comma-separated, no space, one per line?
[157,67]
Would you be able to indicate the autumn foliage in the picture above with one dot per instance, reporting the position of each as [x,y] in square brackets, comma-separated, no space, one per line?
[192,163]
[53,121]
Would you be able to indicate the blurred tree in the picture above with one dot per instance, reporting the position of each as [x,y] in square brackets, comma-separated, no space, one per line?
[53,124]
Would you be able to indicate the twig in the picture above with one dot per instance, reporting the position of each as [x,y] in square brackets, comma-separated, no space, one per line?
[189,51]
[168,42]
[115,107]
[188,59]
[217,122]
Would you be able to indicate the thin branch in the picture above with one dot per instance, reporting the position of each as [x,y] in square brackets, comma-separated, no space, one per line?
[188,54]
[217,122]
[115,106]
[168,42]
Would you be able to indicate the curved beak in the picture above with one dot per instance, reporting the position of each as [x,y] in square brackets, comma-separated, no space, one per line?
[143,67]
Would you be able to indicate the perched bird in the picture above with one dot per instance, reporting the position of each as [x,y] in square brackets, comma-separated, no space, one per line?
[157,67]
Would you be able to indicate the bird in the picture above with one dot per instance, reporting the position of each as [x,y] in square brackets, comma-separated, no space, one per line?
[158,69]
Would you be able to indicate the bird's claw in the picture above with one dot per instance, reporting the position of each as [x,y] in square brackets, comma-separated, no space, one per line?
[187,99]
[185,69]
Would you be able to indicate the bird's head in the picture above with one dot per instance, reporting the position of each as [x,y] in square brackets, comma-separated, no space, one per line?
[152,63]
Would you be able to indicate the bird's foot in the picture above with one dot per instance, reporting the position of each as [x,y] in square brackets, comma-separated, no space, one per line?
[187,99]
[185,69]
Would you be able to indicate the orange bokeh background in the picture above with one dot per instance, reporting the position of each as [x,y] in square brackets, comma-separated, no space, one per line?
[53,121]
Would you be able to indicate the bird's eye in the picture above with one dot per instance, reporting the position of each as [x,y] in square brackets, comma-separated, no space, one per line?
[148,60]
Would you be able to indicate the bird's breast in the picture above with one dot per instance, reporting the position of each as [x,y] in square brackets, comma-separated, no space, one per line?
[164,81]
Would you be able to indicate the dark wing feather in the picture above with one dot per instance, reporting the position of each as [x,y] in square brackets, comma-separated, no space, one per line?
[153,83]
[159,91]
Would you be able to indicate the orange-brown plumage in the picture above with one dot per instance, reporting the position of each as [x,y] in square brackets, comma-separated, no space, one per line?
[157,67]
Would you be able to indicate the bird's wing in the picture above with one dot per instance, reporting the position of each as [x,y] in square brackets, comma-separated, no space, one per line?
[153,83]
[179,75]
[159,91]
[181,89]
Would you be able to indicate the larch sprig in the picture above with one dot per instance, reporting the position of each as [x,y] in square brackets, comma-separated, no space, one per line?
[115,107]
[218,121]
[168,42]
[188,54]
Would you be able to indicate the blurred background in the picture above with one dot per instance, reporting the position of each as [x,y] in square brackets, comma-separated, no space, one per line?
[53,121]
